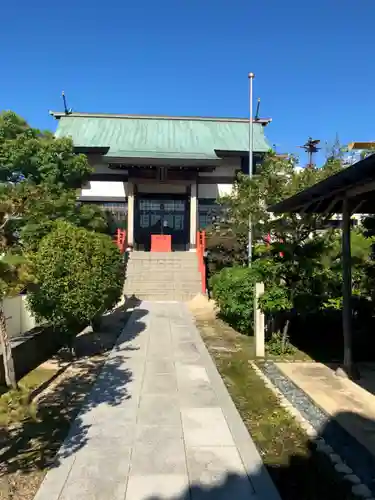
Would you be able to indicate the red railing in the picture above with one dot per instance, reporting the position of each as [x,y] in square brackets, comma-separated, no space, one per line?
[201,247]
[120,240]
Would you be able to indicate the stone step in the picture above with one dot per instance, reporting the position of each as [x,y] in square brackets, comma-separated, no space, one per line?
[163,276]
[178,297]
[142,264]
[139,274]
[158,291]
[162,272]
[162,285]
[164,259]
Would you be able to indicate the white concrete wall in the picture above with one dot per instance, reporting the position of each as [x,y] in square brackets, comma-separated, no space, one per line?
[105,188]
[213,191]
[228,170]
[18,317]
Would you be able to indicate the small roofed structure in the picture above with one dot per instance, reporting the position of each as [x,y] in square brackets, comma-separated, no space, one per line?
[350,191]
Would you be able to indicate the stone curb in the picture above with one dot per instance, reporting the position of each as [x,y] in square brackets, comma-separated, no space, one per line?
[358,489]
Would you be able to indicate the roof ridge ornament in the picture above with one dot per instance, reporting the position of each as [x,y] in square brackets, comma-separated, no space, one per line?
[67,111]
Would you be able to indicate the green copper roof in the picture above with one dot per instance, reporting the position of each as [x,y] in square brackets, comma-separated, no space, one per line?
[160,137]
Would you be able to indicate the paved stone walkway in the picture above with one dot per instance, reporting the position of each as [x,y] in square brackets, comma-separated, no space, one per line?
[158,424]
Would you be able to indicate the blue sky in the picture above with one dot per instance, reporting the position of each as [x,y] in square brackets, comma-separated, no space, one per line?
[313,61]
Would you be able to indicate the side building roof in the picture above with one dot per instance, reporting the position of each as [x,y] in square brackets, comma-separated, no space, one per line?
[129,136]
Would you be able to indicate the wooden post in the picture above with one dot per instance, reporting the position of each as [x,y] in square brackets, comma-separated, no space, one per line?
[346,291]
[130,225]
[258,322]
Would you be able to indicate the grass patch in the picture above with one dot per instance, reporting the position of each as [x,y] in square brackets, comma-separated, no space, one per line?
[298,471]
[16,405]
[221,337]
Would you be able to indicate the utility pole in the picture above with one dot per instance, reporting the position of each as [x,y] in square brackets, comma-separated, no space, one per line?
[251,147]
[311,147]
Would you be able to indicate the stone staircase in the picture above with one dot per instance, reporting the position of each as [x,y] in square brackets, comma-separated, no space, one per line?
[163,276]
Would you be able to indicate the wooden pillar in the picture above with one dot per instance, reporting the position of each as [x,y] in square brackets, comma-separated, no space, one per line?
[130,228]
[193,216]
[346,290]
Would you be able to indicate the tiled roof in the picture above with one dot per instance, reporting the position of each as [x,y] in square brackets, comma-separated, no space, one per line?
[160,137]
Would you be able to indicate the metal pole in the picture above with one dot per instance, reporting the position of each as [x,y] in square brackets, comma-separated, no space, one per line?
[251,147]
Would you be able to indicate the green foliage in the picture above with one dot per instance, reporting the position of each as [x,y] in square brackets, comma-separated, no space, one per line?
[275,299]
[28,153]
[79,276]
[43,208]
[301,267]
[226,247]
[39,174]
[233,291]
[277,346]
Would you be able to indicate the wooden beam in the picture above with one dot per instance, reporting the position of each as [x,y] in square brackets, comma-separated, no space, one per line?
[362,189]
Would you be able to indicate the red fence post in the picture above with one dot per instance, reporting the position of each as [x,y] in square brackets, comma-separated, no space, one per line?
[203,250]
[120,239]
[201,244]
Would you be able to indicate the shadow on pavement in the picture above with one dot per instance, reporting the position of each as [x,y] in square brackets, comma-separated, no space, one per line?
[309,476]
[33,443]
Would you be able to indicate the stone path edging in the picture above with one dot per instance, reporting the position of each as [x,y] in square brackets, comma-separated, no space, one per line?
[245,445]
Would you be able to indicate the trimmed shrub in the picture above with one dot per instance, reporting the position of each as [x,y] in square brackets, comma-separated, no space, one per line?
[233,290]
[225,248]
[79,276]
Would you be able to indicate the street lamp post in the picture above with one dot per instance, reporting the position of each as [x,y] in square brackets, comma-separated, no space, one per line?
[251,147]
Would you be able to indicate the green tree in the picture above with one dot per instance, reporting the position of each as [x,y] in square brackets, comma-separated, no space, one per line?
[13,276]
[47,173]
[302,265]
[79,276]
[28,153]
[38,178]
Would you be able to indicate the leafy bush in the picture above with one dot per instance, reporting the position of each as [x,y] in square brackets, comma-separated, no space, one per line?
[226,248]
[79,276]
[279,345]
[233,291]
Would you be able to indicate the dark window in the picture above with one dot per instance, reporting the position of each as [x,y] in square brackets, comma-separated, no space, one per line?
[209,211]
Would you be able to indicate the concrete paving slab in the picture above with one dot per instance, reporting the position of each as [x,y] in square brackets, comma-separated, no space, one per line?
[209,465]
[158,487]
[151,434]
[158,423]
[218,469]
[197,396]
[98,473]
[205,427]
[160,383]
[159,409]
[188,374]
[166,457]
[55,479]
[159,366]
[231,487]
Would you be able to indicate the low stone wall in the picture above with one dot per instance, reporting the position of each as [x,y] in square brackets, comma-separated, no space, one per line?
[31,349]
